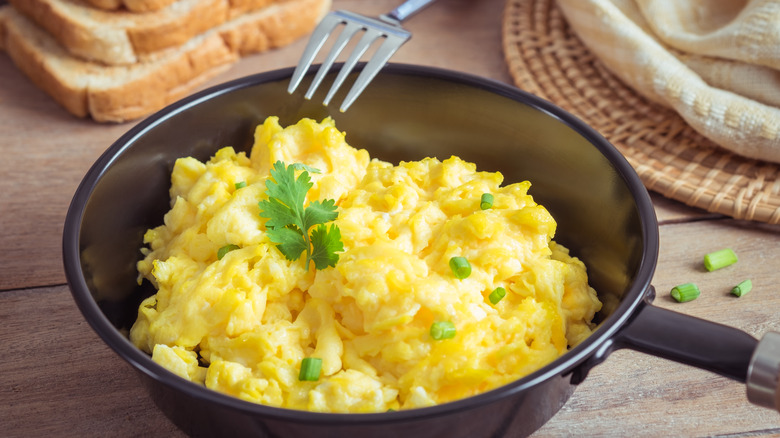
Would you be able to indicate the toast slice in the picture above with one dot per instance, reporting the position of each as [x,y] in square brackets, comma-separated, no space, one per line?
[122,37]
[122,93]
[131,5]
[151,5]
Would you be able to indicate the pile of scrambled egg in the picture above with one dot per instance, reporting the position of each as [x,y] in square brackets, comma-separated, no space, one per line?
[243,324]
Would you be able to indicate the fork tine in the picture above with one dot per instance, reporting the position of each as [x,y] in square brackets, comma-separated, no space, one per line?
[391,44]
[346,34]
[365,42]
[387,26]
[317,39]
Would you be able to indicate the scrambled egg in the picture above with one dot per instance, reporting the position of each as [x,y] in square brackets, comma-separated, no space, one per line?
[243,324]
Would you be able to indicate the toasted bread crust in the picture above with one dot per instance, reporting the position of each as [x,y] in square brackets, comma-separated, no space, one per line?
[72,98]
[203,16]
[131,5]
[146,5]
[238,7]
[151,91]
[122,93]
[249,36]
[123,37]
[33,55]
[108,5]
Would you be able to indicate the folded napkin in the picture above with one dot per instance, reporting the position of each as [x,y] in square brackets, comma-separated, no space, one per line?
[715,62]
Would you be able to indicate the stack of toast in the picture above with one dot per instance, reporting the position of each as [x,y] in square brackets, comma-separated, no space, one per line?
[119,60]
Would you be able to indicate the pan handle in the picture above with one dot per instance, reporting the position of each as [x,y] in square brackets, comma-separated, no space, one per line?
[689,340]
[704,344]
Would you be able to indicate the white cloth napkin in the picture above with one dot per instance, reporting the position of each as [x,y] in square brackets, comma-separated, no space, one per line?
[715,62]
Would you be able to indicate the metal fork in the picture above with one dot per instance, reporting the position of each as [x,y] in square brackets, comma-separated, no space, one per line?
[387,26]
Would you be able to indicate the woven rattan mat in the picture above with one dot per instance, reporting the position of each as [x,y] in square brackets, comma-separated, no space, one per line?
[546,58]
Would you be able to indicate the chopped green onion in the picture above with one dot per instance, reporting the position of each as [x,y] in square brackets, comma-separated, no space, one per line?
[742,288]
[240,185]
[685,292]
[486,201]
[442,330]
[460,267]
[226,249]
[496,295]
[310,369]
[719,259]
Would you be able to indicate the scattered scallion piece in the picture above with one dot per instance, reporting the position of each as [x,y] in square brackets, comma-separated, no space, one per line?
[685,292]
[460,267]
[742,288]
[310,369]
[225,249]
[497,294]
[442,330]
[486,201]
[240,185]
[719,259]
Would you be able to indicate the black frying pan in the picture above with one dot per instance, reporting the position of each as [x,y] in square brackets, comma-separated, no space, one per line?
[603,211]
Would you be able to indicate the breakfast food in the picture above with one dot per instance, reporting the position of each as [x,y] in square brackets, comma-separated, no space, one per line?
[124,37]
[445,285]
[131,5]
[155,76]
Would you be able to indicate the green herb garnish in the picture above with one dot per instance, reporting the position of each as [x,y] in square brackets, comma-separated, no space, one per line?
[719,259]
[240,185]
[289,221]
[742,288]
[685,292]
[461,267]
[442,330]
[225,249]
[497,294]
[486,201]
[310,369]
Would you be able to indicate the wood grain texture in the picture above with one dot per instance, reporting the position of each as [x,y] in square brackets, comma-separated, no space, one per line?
[57,378]
[46,153]
[643,395]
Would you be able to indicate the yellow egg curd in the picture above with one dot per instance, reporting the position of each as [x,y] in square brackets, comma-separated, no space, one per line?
[242,324]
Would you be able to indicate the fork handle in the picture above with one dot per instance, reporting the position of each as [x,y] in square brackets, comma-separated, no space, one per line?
[407,9]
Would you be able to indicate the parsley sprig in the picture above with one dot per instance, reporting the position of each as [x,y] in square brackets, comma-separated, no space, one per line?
[289,221]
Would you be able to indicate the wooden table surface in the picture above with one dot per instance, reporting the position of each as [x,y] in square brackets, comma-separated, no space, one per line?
[58,379]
